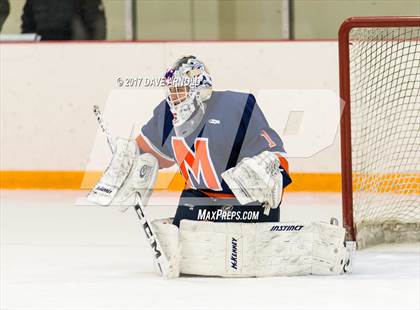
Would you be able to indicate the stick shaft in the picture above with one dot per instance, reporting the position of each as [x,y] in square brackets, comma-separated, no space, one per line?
[158,253]
[104,129]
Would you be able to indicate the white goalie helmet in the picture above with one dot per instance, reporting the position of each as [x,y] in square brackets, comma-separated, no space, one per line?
[188,86]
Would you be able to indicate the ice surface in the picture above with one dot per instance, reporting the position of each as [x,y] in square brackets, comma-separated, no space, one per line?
[58,255]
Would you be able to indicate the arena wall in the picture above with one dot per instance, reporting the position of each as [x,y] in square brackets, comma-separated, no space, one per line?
[50,139]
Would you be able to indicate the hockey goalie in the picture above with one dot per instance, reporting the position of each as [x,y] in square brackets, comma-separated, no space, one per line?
[227,222]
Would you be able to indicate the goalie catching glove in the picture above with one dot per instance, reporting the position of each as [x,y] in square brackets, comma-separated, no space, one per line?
[258,178]
[127,174]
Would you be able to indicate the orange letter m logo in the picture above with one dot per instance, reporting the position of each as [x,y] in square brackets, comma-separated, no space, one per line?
[196,164]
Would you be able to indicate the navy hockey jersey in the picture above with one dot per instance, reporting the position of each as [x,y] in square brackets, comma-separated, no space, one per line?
[233,127]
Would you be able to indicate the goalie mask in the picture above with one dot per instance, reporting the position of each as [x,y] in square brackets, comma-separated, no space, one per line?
[188,85]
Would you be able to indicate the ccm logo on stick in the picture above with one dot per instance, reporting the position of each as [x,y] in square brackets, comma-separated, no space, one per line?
[149,234]
[287,228]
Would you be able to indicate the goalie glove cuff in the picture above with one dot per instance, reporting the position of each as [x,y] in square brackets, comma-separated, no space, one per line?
[258,178]
[127,174]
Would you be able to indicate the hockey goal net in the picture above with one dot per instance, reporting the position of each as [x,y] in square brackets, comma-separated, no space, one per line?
[380,128]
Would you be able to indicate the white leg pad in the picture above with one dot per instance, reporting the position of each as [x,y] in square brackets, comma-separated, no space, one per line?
[328,251]
[168,236]
[209,249]
[261,249]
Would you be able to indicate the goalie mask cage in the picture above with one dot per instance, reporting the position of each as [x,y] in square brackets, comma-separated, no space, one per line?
[380,126]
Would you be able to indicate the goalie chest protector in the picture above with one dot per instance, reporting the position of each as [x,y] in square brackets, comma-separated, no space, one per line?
[233,127]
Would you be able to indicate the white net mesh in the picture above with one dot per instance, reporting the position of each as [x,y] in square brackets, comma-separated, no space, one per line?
[385,116]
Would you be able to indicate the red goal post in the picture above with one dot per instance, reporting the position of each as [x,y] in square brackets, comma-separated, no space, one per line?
[371,31]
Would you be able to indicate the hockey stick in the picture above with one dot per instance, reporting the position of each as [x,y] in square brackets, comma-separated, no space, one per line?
[104,129]
[158,254]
